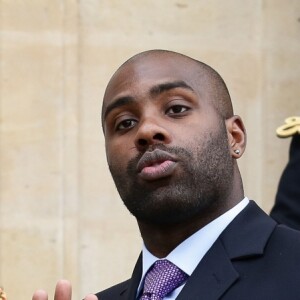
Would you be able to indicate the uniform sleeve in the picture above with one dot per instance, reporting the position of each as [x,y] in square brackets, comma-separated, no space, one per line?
[287,202]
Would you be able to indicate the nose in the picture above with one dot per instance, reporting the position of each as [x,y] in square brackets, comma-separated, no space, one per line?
[151,133]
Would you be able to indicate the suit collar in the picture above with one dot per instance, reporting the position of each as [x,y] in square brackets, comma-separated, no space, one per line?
[248,233]
[246,236]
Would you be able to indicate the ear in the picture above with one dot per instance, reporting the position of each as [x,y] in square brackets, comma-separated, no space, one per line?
[237,137]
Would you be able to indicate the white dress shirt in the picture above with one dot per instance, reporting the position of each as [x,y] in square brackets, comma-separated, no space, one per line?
[189,253]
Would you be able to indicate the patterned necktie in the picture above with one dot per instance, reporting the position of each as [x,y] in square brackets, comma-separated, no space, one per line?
[162,279]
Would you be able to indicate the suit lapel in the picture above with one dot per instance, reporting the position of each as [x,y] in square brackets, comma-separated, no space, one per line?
[246,236]
[213,276]
[130,292]
[248,233]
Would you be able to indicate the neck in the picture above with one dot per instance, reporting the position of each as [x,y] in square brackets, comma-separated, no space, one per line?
[161,239]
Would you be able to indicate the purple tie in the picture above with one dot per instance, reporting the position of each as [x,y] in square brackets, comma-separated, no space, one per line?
[162,278]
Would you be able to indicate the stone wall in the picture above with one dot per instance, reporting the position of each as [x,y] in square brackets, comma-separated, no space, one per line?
[60,215]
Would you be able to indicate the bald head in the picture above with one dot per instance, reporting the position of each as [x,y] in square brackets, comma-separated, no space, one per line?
[206,79]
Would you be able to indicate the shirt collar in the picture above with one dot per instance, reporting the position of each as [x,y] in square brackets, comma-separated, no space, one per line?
[189,253]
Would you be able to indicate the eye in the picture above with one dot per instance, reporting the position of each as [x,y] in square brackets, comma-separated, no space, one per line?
[125,124]
[177,109]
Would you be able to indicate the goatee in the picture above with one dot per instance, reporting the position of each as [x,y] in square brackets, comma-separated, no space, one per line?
[200,182]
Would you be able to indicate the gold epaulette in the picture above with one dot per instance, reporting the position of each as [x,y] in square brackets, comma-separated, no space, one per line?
[290,128]
[2,295]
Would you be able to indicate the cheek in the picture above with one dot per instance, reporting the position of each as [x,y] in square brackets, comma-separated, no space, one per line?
[110,153]
[117,155]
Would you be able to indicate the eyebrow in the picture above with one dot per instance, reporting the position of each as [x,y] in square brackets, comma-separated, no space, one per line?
[122,101]
[154,91]
[165,87]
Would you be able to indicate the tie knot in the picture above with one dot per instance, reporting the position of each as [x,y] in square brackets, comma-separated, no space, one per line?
[162,279]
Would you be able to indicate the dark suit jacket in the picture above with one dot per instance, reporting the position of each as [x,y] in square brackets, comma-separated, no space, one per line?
[287,203]
[254,258]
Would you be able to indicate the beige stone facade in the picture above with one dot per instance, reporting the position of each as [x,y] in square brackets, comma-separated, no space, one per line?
[60,215]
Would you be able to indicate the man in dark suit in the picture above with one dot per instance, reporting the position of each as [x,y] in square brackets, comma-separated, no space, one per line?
[172,144]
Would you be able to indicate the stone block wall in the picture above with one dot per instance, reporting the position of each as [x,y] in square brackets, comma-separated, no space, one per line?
[60,215]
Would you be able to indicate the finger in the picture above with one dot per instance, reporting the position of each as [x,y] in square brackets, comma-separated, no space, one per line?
[63,290]
[90,297]
[40,295]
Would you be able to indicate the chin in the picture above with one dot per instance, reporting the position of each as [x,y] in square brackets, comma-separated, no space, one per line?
[167,211]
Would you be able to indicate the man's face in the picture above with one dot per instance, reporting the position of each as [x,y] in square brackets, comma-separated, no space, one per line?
[166,146]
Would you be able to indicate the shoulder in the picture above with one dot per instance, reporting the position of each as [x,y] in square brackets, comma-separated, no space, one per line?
[285,237]
[282,256]
[114,292]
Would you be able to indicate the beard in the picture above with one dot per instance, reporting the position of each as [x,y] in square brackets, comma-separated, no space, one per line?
[199,185]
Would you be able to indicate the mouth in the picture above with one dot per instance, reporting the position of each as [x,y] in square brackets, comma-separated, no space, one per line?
[155,165]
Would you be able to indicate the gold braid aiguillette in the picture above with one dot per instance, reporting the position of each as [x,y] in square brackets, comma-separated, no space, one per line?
[290,128]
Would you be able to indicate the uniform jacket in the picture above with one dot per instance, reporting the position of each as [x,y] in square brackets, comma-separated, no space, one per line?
[287,203]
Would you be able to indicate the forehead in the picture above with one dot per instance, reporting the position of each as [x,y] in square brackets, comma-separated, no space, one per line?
[142,73]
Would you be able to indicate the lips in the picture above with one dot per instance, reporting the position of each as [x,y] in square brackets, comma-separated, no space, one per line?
[156,164]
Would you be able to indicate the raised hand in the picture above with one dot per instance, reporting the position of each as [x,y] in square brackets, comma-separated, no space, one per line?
[63,291]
